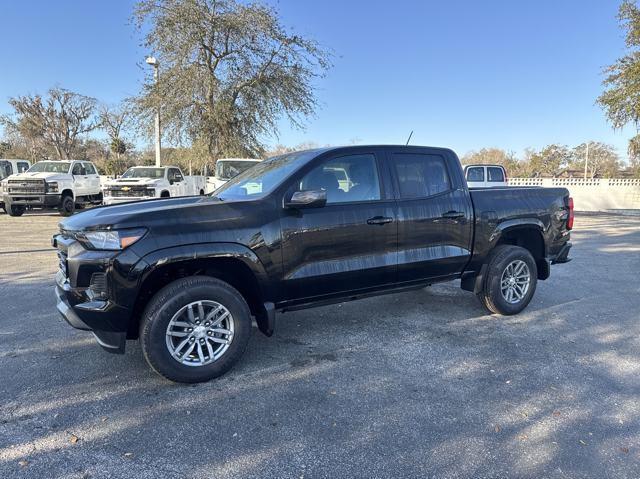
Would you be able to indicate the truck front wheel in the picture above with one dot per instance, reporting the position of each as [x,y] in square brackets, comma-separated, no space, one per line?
[16,210]
[67,205]
[510,281]
[195,329]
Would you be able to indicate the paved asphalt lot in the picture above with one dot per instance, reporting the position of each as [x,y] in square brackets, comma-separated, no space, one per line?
[419,384]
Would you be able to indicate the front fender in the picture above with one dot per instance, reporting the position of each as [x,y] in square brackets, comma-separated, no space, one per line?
[177,254]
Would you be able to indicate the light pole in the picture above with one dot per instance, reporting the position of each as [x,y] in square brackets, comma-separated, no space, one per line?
[586,161]
[155,64]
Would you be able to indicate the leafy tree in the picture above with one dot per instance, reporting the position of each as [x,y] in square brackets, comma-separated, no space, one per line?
[59,120]
[228,72]
[547,162]
[495,156]
[621,98]
[603,159]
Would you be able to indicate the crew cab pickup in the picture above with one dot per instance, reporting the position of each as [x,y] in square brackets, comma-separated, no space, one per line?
[186,275]
[53,184]
[147,182]
[10,167]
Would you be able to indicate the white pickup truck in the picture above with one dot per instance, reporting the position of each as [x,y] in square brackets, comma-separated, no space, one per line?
[10,167]
[148,182]
[227,168]
[53,184]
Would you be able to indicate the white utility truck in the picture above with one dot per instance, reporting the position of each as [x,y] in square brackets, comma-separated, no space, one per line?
[148,182]
[227,168]
[61,185]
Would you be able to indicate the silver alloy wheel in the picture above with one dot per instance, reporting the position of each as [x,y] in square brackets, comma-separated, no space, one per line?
[515,281]
[200,333]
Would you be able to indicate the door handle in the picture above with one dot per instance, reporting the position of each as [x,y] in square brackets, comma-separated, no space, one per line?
[379,220]
[453,214]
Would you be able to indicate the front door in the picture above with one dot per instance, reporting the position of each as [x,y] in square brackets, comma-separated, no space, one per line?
[347,245]
[435,221]
[80,180]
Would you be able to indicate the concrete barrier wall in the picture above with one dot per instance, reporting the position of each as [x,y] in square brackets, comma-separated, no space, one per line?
[597,194]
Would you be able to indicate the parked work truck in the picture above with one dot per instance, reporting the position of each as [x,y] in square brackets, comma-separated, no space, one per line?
[148,182]
[61,185]
[186,275]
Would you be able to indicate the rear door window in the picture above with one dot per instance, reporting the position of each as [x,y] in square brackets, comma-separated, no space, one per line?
[475,174]
[495,174]
[420,175]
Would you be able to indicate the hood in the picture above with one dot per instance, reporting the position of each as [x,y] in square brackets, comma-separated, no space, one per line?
[130,215]
[40,176]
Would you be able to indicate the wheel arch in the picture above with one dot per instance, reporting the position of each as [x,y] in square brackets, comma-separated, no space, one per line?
[67,192]
[230,262]
[528,234]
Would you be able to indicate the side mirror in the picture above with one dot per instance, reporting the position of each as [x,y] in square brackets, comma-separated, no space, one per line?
[171,182]
[307,199]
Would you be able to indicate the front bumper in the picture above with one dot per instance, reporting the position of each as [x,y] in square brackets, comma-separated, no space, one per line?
[90,315]
[41,201]
[110,200]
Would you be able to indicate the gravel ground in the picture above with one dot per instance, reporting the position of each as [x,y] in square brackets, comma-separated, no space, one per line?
[418,384]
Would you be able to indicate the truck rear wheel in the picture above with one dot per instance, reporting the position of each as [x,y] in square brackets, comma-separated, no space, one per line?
[67,205]
[510,280]
[195,329]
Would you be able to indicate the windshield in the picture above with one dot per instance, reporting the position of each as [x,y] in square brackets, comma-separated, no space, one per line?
[225,170]
[5,169]
[50,167]
[264,177]
[144,173]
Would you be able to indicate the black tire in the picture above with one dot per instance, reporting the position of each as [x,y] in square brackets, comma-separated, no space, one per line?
[167,302]
[67,205]
[491,295]
[165,194]
[16,210]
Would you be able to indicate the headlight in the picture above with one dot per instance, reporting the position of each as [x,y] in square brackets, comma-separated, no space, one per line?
[52,187]
[110,240]
[106,192]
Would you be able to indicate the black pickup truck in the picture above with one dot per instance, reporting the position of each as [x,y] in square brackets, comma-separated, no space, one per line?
[185,276]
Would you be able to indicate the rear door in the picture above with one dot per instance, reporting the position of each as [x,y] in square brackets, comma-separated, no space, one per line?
[349,244]
[434,214]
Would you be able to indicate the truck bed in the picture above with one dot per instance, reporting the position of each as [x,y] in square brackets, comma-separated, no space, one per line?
[496,209]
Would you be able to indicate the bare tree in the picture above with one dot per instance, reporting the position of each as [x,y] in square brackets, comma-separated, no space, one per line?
[59,120]
[228,72]
[116,121]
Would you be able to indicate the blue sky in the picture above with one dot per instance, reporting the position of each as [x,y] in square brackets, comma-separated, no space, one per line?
[463,74]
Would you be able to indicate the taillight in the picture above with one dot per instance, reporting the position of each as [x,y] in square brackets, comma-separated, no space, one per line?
[570,220]
[506,178]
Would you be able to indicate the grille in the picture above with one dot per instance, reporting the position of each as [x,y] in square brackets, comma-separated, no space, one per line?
[26,187]
[119,193]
